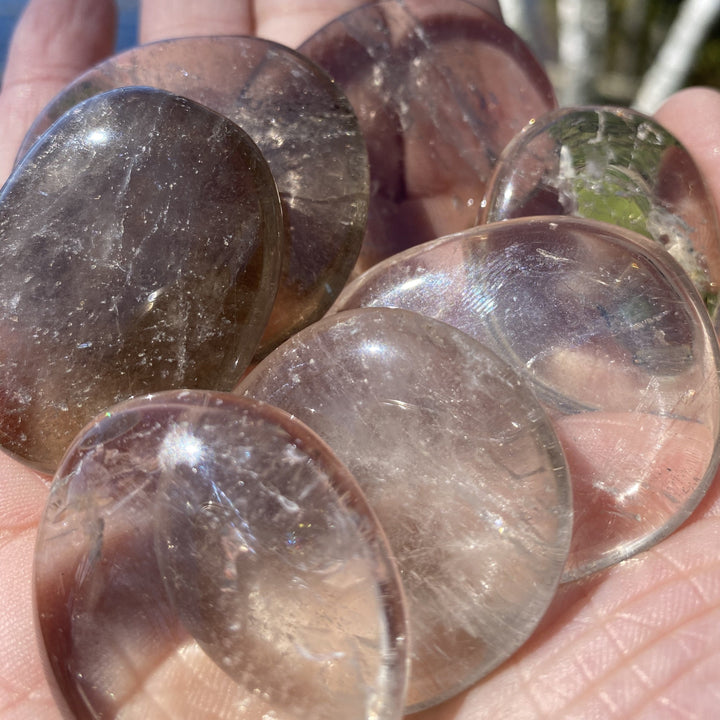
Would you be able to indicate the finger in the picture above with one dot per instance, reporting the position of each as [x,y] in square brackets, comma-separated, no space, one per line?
[23,687]
[164,19]
[290,22]
[639,640]
[693,116]
[55,41]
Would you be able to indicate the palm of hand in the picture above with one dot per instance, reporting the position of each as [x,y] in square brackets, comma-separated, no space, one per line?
[640,640]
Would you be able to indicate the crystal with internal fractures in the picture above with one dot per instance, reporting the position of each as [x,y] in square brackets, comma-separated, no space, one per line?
[615,341]
[459,463]
[439,89]
[205,556]
[615,165]
[140,251]
[305,129]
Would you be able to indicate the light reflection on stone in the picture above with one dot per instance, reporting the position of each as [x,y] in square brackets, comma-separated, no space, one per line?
[305,129]
[151,263]
[202,555]
[607,329]
[439,89]
[458,462]
[619,166]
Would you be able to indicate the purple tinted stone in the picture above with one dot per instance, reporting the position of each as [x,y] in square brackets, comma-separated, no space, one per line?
[459,463]
[141,240]
[205,556]
[439,89]
[305,129]
[617,345]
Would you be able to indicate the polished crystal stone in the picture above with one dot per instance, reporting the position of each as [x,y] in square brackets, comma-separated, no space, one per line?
[305,129]
[607,329]
[460,465]
[439,88]
[204,556]
[616,165]
[140,245]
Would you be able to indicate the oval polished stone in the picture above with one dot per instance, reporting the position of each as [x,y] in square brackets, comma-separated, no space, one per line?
[305,129]
[609,332]
[140,251]
[439,89]
[459,464]
[616,165]
[205,556]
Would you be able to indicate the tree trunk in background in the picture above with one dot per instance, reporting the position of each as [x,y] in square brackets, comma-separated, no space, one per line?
[625,52]
[677,54]
[582,38]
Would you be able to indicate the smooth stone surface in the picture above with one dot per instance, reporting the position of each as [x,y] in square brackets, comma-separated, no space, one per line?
[439,89]
[204,556]
[305,129]
[140,245]
[615,165]
[615,342]
[460,465]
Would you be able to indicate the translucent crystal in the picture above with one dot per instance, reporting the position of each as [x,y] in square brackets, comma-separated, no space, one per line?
[305,129]
[204,556]
[439,89]
[140,251]
[616,165]
[461,467]
[608,330]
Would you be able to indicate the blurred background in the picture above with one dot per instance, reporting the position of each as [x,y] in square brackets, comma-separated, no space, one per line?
[10,11]
[622,52]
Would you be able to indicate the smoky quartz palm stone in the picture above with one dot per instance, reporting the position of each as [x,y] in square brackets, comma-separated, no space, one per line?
[608,330]
[205,556]
[460,465]
[140,245]
[306,130]
[439,89]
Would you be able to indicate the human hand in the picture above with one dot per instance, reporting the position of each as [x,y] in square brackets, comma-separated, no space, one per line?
[638,640]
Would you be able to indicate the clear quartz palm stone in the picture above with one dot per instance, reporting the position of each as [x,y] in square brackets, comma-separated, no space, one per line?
[205,556]
[140,251]
[616,343]
[459,463]
[616,165]
[439,89]
[305,129]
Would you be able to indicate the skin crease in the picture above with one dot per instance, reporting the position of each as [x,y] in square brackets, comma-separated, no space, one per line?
[640,640]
